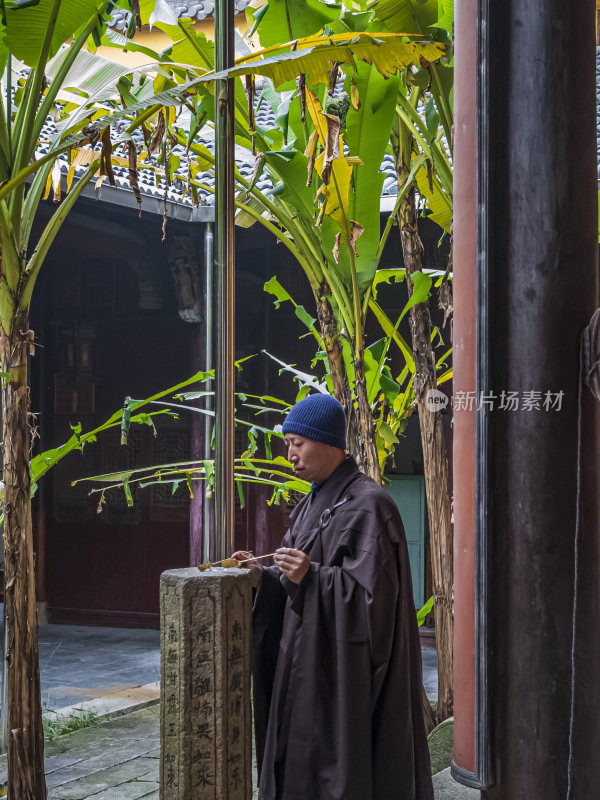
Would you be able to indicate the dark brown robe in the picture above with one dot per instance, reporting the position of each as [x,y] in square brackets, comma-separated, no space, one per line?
[336,659]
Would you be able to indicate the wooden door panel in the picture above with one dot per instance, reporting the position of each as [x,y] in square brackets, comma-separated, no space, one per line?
[408,492]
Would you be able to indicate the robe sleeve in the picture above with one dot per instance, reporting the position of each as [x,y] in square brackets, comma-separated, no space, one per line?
[268,609]
[267,623]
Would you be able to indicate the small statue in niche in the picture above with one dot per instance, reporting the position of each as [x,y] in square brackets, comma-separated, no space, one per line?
[185,269]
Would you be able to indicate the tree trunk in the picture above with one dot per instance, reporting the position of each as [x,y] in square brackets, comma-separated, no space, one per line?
[360,434]
[333,348]
[26,737]
[435,462]
[364,416]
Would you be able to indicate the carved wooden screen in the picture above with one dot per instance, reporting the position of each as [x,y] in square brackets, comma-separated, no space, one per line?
[171,503]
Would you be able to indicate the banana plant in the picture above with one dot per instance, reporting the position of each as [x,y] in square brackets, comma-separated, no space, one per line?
[392,400]
[390,396]
[323,164]
[269,470]
[47,74]
[421,143]
[323,158]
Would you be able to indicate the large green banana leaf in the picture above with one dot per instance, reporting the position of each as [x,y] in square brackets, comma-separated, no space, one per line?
[439,203]
[22,31]
[313,55]
[367,136]
[412,16]
[284,20]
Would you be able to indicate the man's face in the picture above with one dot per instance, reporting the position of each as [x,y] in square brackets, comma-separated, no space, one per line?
[312,461]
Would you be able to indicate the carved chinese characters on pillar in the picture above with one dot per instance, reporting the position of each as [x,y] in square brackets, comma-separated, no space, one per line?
[203,688]
[171,682]
[237,692]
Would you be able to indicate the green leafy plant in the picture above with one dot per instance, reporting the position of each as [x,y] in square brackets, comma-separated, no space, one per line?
[271,470]
[322,155]
[423,611]
[390,397]
[47,73]
[421,144]
[60,726]
[323,165]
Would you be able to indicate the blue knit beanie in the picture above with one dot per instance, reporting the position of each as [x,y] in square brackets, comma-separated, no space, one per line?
[319,417]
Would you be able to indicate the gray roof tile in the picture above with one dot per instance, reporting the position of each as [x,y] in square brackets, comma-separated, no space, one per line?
[265,118]
[184,9]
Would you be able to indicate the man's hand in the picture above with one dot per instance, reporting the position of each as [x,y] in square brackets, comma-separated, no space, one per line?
[248,557]
[293,563]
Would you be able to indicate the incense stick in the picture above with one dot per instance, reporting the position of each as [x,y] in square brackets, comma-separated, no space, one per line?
[232,562]
[256,558]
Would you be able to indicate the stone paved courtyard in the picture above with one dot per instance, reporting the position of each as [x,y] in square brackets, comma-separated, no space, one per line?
[80,663]
[119,760]
[116,760]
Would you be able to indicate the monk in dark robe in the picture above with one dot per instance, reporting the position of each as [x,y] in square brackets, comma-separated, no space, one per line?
[336,655]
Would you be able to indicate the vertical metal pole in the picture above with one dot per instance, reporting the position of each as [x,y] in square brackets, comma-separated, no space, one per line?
[224,264]
[208,362]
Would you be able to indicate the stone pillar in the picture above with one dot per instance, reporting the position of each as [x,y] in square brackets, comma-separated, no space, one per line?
[538,274]
[205,717]
[467,766]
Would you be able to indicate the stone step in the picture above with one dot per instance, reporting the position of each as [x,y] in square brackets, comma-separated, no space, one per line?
[446,788]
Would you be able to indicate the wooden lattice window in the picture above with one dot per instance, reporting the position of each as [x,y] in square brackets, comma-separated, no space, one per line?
[114,457]
[170,446]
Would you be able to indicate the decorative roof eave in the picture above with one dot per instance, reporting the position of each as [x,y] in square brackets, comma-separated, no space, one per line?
[170,11]
[176,209]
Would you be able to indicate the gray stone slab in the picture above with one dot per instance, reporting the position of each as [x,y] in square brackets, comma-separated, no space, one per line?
[103,761]
[90,785]
[132,698]
[446,788]
[430,677]
[139,725]
[99,747]
[133,790]
[75,791]
[54,763]
[133,746]
[79,663]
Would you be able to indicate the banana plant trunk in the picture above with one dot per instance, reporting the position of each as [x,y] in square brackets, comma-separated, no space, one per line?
[26,779]
[435,462]
[360,433]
